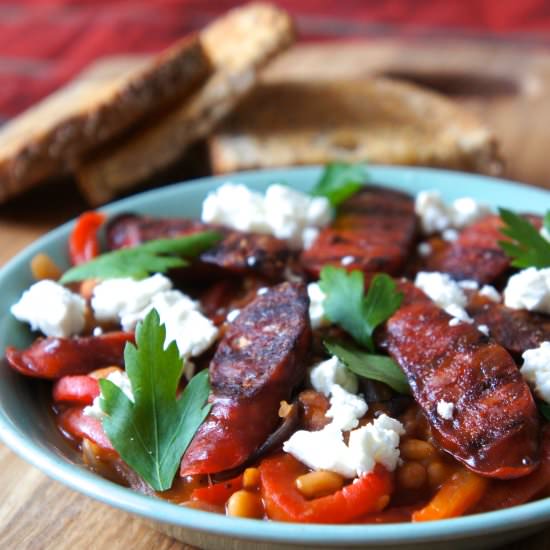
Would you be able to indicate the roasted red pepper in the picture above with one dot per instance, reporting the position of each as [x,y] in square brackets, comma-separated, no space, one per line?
[218,493]
[76,424]
[283,502]
[80,389]
[83,241]
[53,358]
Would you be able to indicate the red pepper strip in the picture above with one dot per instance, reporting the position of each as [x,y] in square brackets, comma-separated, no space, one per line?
[284,502]
[76,424]
[218,493]
[53,358]
[79,389]
[83,242]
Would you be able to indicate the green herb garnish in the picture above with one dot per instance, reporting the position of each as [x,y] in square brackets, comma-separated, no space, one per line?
[374,367]
[156,256]
[340,181]
[528,248]
[152,433]
[346,305]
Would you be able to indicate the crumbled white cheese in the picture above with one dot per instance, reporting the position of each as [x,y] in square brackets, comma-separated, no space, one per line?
[120,379]
[490,292]
[286,213]
[185,324]
[316,310]
[116,300]
[332,372]
[468,284]
[436,216]
[263,290]
[536,370]
[445,409]
[347,260]
[98,331]
[232,315]
[377,442]
[424,249]
[445,292]
[345,408]
[529,289]
[51,308]
[450,235]
[484,329]
[322,450]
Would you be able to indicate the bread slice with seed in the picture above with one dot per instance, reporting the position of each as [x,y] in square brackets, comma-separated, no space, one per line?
[47,138]
[372,119]
[238,45]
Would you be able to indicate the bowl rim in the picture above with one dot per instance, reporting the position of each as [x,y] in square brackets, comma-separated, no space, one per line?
[84,481]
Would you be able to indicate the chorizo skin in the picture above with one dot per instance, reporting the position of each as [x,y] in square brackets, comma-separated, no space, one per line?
[476,253]
[52,358]
[516,330]
[376,227]
[259,361]
[494,429]
[238,252]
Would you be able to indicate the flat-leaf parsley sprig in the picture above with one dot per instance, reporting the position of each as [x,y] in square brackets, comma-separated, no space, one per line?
[527,248]
[152,432]
[340,181]
[156,256]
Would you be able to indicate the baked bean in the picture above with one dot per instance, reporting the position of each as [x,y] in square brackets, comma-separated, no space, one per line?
[412,475]
[416,449]
[244,504]
[438,473]
[319,484]
[251,478]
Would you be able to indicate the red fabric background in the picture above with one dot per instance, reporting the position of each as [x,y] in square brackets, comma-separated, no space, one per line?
[43,43]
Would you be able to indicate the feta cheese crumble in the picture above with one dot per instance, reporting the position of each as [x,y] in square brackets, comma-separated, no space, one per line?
[51,308]
[446,293]
[347,260]
[484,329]
[120,379]
[536,370]
[490,292]
[424,249]
[445,409]
[232,315]
[436,216]
[286,213]
[377,442]
[529,289]
[316,310]
[128,302]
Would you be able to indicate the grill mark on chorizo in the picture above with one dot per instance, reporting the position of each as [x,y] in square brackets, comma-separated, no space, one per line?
[514,329]
[238,252]
[377,227]
[258,363]
[494,430]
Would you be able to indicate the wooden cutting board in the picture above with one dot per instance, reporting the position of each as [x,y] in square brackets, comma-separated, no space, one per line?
[507,85]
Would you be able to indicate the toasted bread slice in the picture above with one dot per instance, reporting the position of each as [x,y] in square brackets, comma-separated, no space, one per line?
[375,119]
[47,138]
[238,44]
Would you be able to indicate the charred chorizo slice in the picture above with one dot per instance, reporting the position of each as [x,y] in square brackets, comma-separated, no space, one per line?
[494,428]
[375,229]
[516,330]
[238,252]
[52,358]
[476,253]
[258,363]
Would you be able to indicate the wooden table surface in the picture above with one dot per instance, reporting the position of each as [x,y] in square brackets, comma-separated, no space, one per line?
[36,512]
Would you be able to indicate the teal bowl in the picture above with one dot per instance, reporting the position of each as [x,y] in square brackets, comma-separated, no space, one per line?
[27,428]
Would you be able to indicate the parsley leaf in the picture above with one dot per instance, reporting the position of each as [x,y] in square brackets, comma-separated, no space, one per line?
[544,409]
[375,367]
[156,256]
[346,305]
[152,433]
[528,248]
[339,181]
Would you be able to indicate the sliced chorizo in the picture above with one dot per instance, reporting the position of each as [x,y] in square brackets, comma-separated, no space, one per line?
[238,252]
[52,358]
[258,363]
[494,428]
[374,230]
